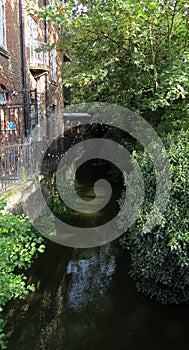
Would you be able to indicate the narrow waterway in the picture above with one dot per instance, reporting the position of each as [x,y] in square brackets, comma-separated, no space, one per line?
[85,300]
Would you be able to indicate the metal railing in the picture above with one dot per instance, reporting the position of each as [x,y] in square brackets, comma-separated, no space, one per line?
[18,163]
[38,58]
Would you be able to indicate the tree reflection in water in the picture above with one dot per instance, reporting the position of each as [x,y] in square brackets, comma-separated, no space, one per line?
[90,278]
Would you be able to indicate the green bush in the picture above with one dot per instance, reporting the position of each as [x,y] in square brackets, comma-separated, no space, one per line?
[160,258]
[56,204]
[20,244]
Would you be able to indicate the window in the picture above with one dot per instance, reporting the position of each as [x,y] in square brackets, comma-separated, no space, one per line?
[2,24]
[33,43]
[38,57]
[3,97]
[53,64]
[33,29]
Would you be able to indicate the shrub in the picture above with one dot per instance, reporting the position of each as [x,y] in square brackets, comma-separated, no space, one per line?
[160,258]
[20,244]
[56,204]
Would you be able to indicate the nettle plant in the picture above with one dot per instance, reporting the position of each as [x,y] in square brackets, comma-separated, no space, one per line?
[20,244]
[160,258]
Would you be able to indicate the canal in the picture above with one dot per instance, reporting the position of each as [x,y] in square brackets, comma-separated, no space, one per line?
[86,300]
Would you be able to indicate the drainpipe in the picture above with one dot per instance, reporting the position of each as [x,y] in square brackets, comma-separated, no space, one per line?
[37,116]
[46,79]
[23,62]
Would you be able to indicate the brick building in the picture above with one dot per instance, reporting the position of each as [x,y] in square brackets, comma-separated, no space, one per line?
[30,81]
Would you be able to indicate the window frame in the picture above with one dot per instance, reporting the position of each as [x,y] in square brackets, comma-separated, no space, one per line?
[3,39]
[3,95]
[53,65]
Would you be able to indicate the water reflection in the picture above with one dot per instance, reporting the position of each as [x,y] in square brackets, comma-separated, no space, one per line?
[90,278]
[89,304]
[85,300]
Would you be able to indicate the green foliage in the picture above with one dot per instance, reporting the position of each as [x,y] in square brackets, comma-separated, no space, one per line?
[23,174]
[160,258]
[135,54]
[19,246]
[3,342]
[132,53]
[56,204]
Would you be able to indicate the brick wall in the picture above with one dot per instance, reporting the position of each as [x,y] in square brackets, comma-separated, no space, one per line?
[10,60]
[50,92]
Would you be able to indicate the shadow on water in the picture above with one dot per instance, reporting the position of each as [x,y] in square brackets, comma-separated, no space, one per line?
[85,300]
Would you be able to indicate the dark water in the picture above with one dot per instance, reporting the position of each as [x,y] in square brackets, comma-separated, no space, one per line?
[85,300]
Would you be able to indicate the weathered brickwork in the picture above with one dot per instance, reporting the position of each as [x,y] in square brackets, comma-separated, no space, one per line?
[10,59]
[28,78]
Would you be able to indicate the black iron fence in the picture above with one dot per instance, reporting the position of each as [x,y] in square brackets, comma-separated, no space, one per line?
[19,162]
[22,160]
[26,161]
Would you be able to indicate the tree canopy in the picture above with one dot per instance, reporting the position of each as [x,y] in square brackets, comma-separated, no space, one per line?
[133,53]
